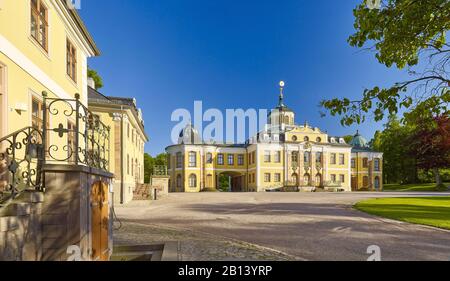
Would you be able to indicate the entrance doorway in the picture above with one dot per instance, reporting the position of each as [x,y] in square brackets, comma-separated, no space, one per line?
[354,184]
[231,182]
[100,222]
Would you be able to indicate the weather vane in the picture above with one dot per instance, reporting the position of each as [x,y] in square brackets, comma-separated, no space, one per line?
[282,84]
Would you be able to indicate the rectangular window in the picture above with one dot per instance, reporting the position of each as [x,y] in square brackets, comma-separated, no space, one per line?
[132,136]
[37,119]
[278,157]
[241,159]
[192,159]
[169,160]
[277,177]
[266,177]
[353,163]
[341,159]
[71,61]
[307,157]
[254,157]
[230,159]
[365,163]
[266,156]
[179,160]
[128,130]
[220,160]
[250,161]
[333,159]
[209,158]
[319,157]
[333,178]
[342,178]
[377,165]
[39,23]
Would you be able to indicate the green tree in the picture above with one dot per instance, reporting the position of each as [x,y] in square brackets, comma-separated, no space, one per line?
[150,162]
[406,34]
[399,163]
[97,78]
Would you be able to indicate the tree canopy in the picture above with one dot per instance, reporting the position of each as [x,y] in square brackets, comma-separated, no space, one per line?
[150,162]
[406,34]
[97,78]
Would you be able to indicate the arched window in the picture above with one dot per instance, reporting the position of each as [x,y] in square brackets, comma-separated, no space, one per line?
[306,179]
[318,140]
[192,181]
[294,138]
[318,179]
[295,178]
[179,181]
[306,139]
[377,183]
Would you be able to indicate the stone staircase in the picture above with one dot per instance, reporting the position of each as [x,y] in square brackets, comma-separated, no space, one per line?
[142,192]
[20,227]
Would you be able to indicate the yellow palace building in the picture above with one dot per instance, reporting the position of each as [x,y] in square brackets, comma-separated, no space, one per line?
[285,156]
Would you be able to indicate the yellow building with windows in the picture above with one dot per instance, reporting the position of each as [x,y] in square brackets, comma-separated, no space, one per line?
[285,156]
[128,139]
[44,46]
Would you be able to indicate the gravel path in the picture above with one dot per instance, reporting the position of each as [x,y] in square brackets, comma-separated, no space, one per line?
[278,226]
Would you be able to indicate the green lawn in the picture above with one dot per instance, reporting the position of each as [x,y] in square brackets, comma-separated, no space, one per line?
[433,211]
[411,187]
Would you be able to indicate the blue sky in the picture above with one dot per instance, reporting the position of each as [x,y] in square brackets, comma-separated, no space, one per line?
[231,54]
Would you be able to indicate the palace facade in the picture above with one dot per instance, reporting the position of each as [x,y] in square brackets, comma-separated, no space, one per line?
[284,156]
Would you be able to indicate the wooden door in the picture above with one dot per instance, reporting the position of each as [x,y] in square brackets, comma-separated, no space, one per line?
[354,184]
[100,222]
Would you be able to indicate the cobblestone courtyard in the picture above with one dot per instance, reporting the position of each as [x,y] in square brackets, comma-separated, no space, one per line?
[277,226]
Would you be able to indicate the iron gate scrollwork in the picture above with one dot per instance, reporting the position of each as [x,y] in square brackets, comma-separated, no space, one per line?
[78,138]
[90,138]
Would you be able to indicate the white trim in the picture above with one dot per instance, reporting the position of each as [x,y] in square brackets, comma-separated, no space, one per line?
[14,54]
[69,25]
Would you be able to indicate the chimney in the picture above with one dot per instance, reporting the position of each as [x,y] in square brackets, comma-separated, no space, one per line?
[91,82]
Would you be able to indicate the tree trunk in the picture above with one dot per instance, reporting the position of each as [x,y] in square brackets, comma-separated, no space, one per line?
[437,175]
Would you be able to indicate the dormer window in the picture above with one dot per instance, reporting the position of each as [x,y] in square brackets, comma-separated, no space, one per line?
[319,140]
[306,139]
[333,140]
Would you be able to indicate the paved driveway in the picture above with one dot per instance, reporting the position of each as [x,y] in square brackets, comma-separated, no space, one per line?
[304,226]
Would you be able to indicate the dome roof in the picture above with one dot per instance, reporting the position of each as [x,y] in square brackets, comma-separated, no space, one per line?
[189,135]
[358,141]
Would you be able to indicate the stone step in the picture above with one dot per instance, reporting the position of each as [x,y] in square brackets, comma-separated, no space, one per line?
[31,196]
[16,209]
[9,223]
